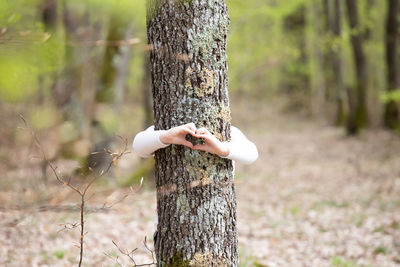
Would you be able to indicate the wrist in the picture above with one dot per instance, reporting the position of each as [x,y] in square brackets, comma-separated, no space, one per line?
[224,150]
[164,137]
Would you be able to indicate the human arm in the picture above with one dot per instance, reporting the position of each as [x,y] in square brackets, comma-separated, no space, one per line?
[239,148]
[147,142]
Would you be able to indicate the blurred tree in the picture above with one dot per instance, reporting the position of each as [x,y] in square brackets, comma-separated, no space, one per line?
[391,114]
[49,14]
[333,64]
[195,194]
[111,90]
[74,88]
[357,117]
[319,86]
[297,76]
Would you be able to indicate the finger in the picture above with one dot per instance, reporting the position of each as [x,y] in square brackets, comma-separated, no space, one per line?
[187,143]
[188,131]
[204,136]
[198,147]
[191,126]
[202,148]
[202,131]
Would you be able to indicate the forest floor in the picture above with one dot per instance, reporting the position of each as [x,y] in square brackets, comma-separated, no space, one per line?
[313,198]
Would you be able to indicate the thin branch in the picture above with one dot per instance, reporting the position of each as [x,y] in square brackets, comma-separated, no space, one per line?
[115,156]
[130,254]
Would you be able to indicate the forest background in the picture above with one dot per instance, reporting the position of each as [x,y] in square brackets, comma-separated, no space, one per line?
[304,76]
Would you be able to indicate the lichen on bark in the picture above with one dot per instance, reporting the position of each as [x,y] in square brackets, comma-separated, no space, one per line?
[206,259]
[200,84]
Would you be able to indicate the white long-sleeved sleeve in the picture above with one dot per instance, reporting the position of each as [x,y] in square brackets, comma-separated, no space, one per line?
[147,142]
[241,149]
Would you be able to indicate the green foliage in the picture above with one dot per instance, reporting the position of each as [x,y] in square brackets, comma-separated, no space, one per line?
[258,47]
[68,132]
[28,52]
[126,11]
[16,11]
[387,97]
[257,264]
[338,261]
[273,45]
[59,253]
[380,250]
[50,53]
[18,77]
[321,205]
[44,117]
[108,119]
[295,210]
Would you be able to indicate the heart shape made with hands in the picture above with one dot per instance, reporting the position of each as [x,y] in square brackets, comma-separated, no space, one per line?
[195,140]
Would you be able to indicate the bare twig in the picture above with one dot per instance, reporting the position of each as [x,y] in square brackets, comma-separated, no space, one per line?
[133,191]
[29,37]
[82,193]
[129,254]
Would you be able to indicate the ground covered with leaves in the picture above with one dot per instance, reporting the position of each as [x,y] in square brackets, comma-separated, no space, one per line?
[313,198]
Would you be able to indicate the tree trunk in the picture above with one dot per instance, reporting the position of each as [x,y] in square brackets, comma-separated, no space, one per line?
[49,17]
[358,114]
[110,91]
[337,62]
[195,193]
[316,59]
[391,115]
[49,14]
[74,88]
[297,80]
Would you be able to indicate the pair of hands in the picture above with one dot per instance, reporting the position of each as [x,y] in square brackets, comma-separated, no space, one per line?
[177,136]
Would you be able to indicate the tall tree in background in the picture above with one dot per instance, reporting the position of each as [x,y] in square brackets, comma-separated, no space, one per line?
[49,17]
[297,78]
[319,86]
[357,117]
[74,88]
[334,59]
[391,115]
[195,194]
[111,89]
[49,14]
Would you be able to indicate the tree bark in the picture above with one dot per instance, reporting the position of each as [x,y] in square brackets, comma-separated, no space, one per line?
[358,114]
[146,89]
[195,193]
[391,115]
